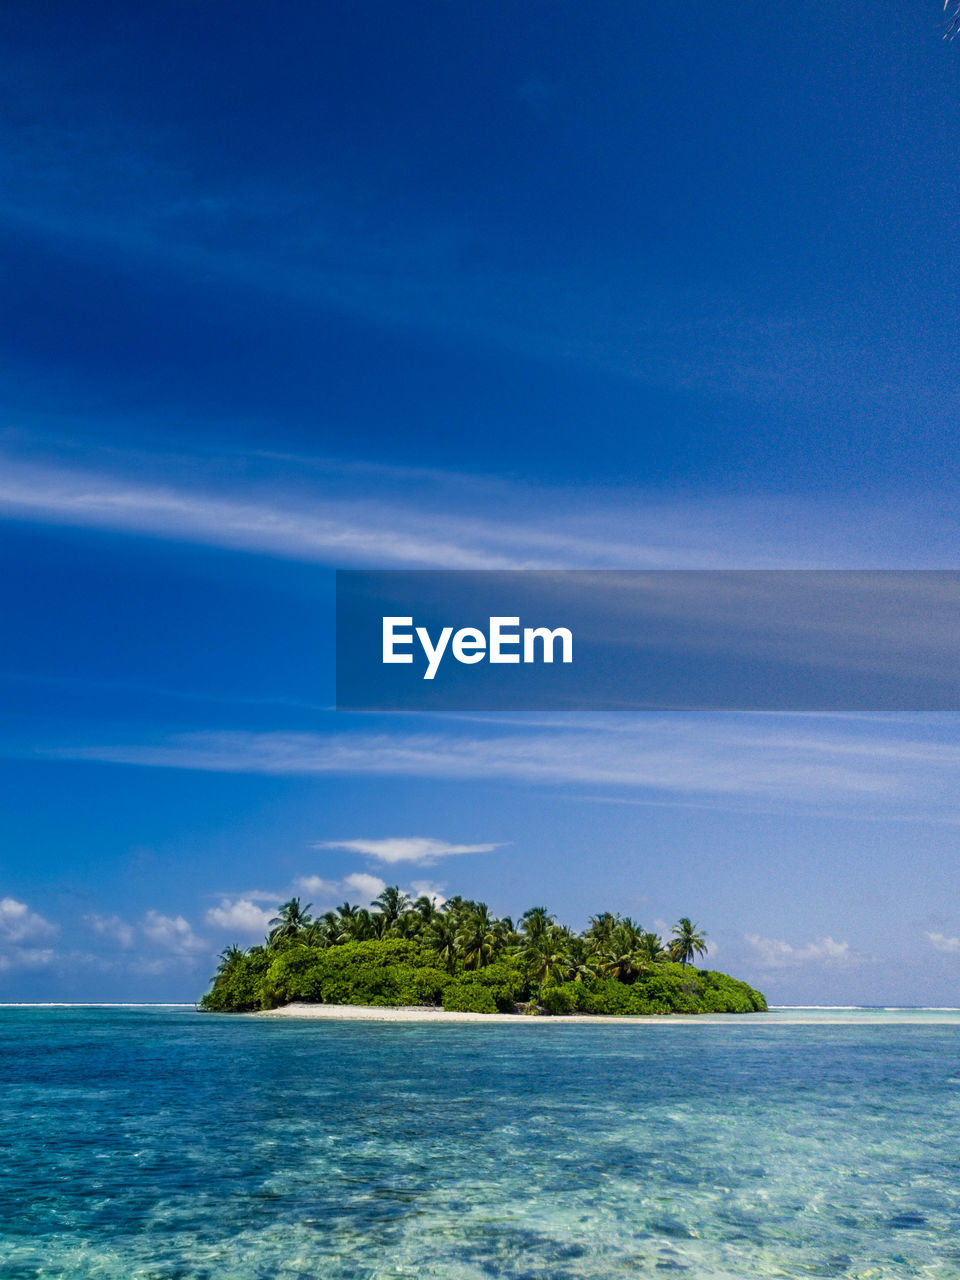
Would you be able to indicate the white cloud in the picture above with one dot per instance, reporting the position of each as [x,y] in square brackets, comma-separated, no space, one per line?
[424,889]
[367,886]
[772,953]
[19,924]
[240,914]
[26,958]
[258,895]
[318,886]
[784,760]
[420,849]
[172,933]
[111,927]
[20,930]
[940,942]
[322,510]
[155,966]
[345,530]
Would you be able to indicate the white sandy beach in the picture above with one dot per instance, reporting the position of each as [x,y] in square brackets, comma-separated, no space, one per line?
[424,1013]
[827,1016]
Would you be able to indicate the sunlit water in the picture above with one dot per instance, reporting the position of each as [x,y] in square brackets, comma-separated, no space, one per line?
[165,1143]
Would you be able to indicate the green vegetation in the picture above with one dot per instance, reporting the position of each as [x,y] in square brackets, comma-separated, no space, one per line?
[405,952]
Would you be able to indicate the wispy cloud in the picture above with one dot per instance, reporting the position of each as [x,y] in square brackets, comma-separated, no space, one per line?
[419,849]
[112,928]
[343,513]
[21,930]
[27,958]
[19,924]
[940,942]
[328,531]
[318,886]
[773,953]
[802,760]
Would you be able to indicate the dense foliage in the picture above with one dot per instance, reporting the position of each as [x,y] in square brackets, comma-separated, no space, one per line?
[404,952]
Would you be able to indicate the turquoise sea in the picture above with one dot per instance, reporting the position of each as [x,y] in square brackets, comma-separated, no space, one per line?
[161,1143]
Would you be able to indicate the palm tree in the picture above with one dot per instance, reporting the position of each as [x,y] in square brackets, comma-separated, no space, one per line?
[290,920]
[687,943]
[600,927]
[541,946]
[323,931]
[578,969]
[599,936]
[441,939]
[622,955]
[230,959]
[546,959]
[424,907]
[614,945]
[391,904]
[326,930]
[360,925]
[458,909]
[415,919]
[477,938]
[535,924]
[507,936]
[456,904]
[651,946]
[409,925]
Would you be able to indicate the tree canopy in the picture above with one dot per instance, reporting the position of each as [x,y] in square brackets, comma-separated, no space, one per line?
[460,955]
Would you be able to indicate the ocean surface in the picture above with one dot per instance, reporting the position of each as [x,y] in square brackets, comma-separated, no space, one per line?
[161,1143]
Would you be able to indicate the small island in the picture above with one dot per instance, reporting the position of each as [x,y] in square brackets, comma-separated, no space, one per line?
[458,957]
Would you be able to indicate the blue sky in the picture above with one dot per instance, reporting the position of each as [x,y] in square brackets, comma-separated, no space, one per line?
[533,284]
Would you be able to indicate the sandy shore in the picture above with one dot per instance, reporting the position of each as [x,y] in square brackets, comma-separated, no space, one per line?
[374,1013]
[845,1016]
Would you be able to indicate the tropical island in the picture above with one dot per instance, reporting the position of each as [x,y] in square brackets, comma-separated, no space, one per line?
[461,958]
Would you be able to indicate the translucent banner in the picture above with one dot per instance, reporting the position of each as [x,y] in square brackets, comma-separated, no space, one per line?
[757,640]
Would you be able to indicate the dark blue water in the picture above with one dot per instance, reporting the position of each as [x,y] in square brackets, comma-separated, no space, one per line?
[164,1143]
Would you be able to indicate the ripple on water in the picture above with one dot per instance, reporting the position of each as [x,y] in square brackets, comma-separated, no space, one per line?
[158,1144]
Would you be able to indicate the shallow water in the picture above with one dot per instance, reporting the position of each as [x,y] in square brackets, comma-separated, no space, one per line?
[163,1143]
